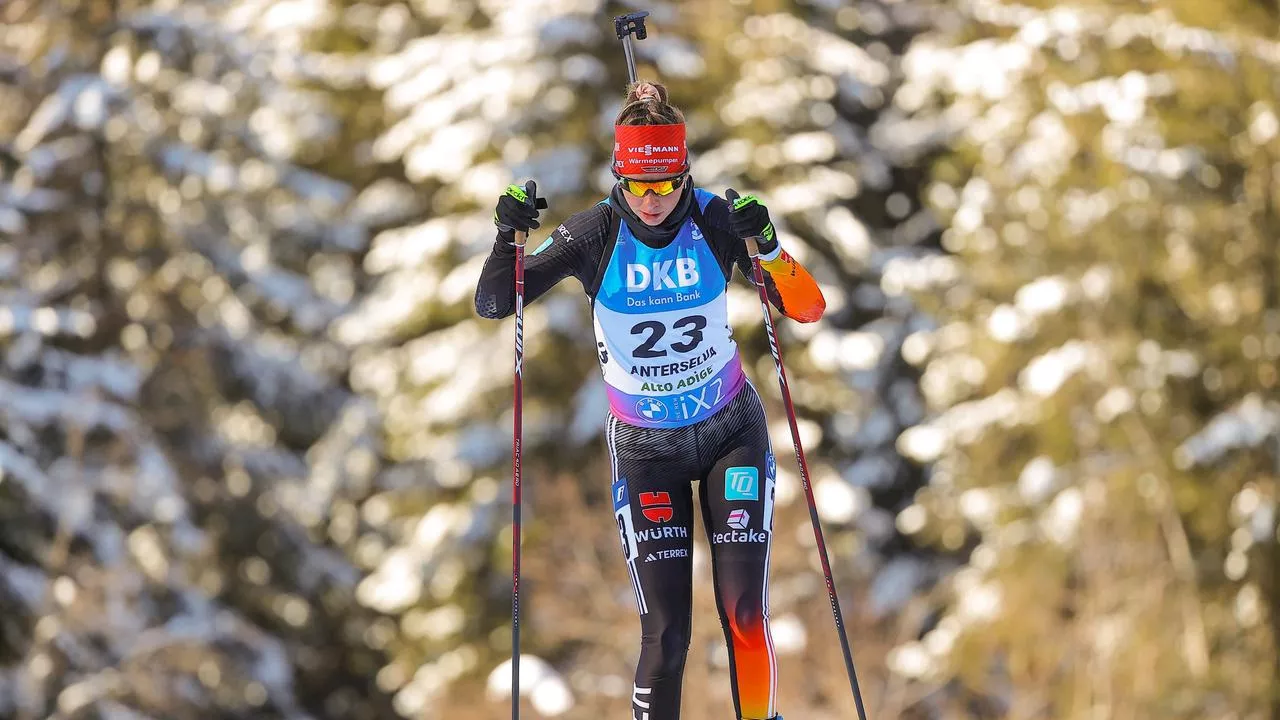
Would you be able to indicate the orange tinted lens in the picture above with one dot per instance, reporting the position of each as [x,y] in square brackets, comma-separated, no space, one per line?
[661,187]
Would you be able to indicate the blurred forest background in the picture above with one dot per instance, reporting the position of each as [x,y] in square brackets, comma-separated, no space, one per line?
[255,443]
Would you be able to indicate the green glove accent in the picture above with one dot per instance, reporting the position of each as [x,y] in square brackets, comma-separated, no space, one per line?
[518,193]
[746,224]
[514,211]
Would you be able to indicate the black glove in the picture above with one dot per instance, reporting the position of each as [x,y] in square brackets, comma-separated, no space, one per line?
[749,219]
[515,214]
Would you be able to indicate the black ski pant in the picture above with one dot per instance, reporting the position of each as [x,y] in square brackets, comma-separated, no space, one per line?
[653,474]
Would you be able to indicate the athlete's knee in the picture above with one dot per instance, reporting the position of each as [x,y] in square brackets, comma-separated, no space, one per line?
[674,642]
[746,616]
[665,651]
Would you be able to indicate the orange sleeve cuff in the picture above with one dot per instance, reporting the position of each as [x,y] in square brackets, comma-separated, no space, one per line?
[799,296]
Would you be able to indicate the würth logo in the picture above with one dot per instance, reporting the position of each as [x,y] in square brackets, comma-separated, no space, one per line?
[656,506]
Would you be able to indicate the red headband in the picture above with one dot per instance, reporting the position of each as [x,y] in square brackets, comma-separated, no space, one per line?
[649,149]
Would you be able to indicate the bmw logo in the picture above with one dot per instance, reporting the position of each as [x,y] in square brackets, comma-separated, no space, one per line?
[651,409]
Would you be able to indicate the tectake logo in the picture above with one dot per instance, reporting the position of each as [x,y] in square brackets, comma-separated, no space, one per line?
[738,520]
[735,537]
[741,483]
[656,506]
[663,275]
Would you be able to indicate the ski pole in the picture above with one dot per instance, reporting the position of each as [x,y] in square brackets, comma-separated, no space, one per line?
[531,191]
[625,25]
[758,276]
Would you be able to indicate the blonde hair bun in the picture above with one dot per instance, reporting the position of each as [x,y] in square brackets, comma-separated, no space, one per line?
[647,91]
[647,104]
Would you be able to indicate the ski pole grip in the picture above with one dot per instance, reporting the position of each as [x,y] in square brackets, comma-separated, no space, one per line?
[530,192]
[753,244]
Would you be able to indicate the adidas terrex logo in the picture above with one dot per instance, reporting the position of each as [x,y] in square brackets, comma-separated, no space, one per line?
[651,149]
[667,554]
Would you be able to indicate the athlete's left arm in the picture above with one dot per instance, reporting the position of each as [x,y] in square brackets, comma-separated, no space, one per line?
[789,287]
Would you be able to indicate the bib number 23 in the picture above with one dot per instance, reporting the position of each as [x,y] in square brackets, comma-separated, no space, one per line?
[690,329]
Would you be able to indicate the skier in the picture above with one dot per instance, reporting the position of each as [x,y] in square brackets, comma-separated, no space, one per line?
[655,259]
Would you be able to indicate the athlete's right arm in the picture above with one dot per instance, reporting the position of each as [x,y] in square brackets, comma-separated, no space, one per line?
[572,249]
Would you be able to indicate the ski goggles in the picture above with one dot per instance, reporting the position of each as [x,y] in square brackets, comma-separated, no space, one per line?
[659,187]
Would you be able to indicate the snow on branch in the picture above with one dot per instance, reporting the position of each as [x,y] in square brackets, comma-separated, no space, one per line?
[1249,424]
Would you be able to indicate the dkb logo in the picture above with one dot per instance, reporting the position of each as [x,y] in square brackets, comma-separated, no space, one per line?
[659,275]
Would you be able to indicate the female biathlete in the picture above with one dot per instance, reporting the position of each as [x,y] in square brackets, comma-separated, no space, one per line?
[655,259]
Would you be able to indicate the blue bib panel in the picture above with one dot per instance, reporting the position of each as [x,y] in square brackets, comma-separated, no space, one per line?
[662,330]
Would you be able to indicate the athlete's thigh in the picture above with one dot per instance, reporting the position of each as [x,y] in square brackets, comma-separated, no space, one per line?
[737,496]
[653,508]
